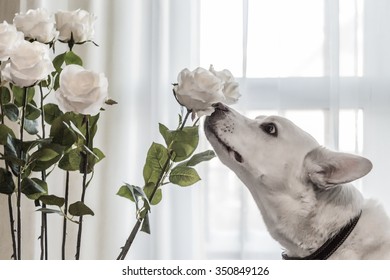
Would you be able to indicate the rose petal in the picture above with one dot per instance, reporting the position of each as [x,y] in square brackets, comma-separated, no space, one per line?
[81,91]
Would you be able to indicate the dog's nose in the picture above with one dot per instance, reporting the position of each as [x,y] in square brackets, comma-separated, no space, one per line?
[220,106]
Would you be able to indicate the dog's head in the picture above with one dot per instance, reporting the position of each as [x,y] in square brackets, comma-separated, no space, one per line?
[284,167]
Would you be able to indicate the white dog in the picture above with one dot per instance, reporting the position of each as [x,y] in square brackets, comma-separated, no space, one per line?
[301,188]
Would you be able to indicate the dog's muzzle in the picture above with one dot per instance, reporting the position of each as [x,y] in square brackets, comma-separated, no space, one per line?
[220,106]
[221,111]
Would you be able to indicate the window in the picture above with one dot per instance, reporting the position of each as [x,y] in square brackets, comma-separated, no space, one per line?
[300,59]
[283,38]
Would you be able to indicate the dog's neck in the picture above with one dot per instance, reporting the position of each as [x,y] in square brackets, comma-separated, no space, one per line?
[301,231]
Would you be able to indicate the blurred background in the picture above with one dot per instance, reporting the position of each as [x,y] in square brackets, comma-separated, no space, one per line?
[324,64]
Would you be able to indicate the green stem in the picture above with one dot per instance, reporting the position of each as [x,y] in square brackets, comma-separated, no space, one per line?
[165,170]
[185,119]
[196,122]
[65,223]
[19,194]
[129,241]
[84,186]
[44,241]
[12,225]
[10,207]
[133,234]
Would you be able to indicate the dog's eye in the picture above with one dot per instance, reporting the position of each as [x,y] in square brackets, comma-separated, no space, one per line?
[270,128]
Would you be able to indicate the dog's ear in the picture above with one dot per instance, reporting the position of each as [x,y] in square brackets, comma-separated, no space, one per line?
[328,169]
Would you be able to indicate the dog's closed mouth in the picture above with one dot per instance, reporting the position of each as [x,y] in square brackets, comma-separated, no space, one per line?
[237,155]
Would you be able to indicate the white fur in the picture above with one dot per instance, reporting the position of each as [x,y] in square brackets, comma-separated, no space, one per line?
[301,189]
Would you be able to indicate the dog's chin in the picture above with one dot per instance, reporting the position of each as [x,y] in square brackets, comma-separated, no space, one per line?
[222,148]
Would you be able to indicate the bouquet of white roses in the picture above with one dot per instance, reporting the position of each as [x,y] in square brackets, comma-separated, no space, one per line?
[60,135]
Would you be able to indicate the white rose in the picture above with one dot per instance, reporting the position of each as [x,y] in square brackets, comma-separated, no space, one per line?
[197,90]
[200,89]
[230,86]
[78,23]
[81,91]
[9,39]
[29,63]
[37,25]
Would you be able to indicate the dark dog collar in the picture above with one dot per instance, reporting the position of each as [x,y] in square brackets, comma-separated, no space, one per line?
[331,245]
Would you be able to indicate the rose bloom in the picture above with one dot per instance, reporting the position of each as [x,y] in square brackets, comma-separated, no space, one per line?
[79,23]
[81,91]
[9,39]
[230,86]
[29,63]
[198,90]
[37,25]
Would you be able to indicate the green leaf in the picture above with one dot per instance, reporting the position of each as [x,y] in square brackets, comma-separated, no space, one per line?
[19,95]
[31,126]
[146,224]
[182,150]
[70,161]
[79,209]
[34,188]
[5,95]
[111,102]
[52,111]
[183,176]
[46,83]
[157,197]
[41,165]
[93,121]
[58,61]
[7,185]
[124,191]
[135,194]
[182,142]
[60,132]
[13,146]
[99,155]
[165,133]
[4,132]
[50,211]
[11,153]
[56,81]
[93,158]
[75,129]
[44,154]
[32,112]
[200,157]
[11,111]
[72,58]
[156,159]
[52,200]
[29,145]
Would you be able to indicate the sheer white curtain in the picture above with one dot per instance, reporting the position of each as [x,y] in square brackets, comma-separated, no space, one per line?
[142,47]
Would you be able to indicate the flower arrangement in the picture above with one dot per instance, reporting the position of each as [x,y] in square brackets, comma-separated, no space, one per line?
[60,135]
[48,135]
